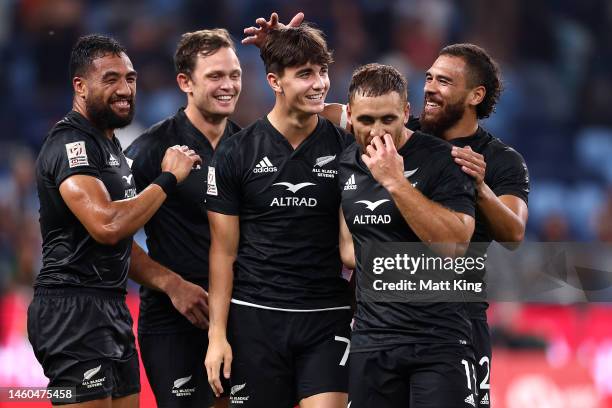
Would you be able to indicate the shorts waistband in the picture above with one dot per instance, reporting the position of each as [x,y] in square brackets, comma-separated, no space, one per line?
[78,291]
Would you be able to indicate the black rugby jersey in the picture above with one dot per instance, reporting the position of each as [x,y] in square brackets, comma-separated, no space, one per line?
[506,174]
[288,204]
[178,235]
[372,216]
[71,257]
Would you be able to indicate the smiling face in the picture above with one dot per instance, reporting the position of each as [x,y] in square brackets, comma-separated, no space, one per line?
[373,116]
[109,89]
[215,84]
[446,95]
[303,87]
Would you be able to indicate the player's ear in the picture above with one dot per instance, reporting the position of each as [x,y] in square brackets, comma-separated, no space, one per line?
[348,114]
[79,84]
[477,95]
[406,112]
[184,82]
[274,82]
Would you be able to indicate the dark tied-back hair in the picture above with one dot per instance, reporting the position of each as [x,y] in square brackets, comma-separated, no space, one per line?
[481,70]
[88,48]
[199,43]
[372,80]
[294,46]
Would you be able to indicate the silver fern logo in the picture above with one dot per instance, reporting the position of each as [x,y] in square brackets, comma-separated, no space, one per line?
[178,383]
[323,160]
[90,373]
[237,388]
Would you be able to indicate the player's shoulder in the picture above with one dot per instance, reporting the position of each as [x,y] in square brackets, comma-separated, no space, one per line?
[240,139]
[158,137]
[349,155]
[433,144]
[344,138]
[73,131]
[497,150]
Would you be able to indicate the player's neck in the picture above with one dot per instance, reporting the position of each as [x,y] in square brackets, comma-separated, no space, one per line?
[466,126]
[211,126]
[80,108]
[406,134]
[294,126]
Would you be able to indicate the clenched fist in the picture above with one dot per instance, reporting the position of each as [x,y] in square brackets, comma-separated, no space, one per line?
[179,160]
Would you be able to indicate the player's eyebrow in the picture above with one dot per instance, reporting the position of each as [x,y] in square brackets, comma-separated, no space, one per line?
[304,70]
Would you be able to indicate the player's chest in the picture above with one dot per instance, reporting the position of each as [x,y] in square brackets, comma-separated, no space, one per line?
[117,176]
[369,208]
[287,181]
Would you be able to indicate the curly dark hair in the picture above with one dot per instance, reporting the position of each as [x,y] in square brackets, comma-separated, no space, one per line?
[90,47]
[482,70]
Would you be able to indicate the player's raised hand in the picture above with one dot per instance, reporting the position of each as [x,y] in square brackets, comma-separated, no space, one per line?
[191,301]
[219,354]
[384,162]
[257,35]
[471,163]
[179,160]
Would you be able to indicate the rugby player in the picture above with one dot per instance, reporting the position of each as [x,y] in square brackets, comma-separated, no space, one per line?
[500,172]
[502,180]
[403,354]
[178,237]
[273,208]
[78,321]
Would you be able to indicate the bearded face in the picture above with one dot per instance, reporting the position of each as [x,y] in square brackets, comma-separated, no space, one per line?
[113,112]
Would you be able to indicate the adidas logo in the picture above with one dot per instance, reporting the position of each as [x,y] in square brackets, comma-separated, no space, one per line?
[112,161]
[265,166]
[470,400]
[485,399]
[350,183]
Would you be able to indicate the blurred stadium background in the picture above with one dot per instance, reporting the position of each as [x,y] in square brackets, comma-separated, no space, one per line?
[556,57]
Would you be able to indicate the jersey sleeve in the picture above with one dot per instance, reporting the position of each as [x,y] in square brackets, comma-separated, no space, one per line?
[72,152]
[223,181]
[454,189]
[146,162]
[508,174]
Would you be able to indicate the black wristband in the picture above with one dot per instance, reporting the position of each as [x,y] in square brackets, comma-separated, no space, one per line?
[167,181]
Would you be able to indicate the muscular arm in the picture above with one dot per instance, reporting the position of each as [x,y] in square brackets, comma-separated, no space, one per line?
[506,215]
[109,221]
[430,221]
[188,298]
[224,239]
[347,250]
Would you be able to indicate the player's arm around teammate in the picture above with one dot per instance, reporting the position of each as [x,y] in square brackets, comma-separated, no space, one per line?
[506,215]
